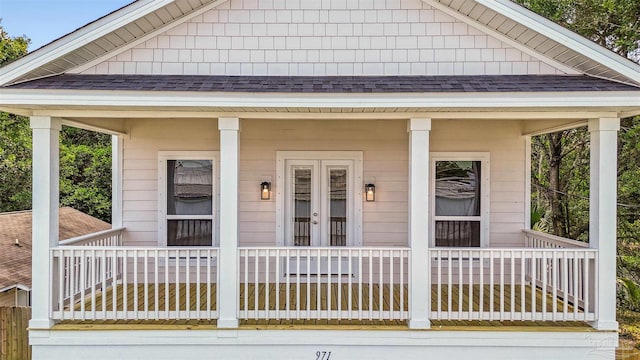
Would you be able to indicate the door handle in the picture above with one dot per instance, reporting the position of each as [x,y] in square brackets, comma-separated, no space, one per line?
[314,222]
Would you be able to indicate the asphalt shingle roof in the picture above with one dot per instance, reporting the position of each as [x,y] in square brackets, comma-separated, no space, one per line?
[15,260]
[328,84]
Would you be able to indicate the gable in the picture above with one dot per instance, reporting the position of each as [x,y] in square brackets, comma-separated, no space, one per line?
[310,37]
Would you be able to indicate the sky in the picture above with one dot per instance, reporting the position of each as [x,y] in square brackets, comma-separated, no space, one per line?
[46,20]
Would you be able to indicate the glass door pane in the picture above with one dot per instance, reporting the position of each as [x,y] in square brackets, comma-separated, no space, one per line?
[302,190]
[337,207]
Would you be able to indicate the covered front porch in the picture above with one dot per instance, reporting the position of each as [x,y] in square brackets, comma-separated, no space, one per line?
[397,262]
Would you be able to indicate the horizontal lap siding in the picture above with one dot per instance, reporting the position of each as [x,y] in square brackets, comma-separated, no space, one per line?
[384,146]
[146,138]
[503,140]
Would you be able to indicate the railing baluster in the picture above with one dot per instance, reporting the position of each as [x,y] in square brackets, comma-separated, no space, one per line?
[256,284]
[512,286]
[350,284]
[522,284]
[470,305]
[83,262]
[481,294]
[278,269]
[360,278]
[308,284]
[380,284]
[491,284]
[449,285]
[460,283]
[267,285]
[439,282]
[156,297]
[198,301]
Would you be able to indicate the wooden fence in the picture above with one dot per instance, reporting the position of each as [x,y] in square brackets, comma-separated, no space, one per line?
[14,340]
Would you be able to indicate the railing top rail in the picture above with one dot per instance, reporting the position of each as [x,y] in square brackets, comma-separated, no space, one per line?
[333,248]
[92,236]
[556,239]
[135,248]
[511,249]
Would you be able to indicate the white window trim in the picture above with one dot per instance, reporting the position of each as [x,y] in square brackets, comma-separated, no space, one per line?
[485,186]
[163,157]
[358,184]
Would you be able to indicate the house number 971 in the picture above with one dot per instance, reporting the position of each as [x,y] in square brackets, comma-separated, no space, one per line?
[323,355]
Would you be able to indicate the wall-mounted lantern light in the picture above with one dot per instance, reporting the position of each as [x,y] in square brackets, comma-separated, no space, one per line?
[265,190]
[370,191]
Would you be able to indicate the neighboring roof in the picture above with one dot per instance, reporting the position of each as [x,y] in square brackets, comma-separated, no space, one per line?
[328,84]
[16,259]
[133,23]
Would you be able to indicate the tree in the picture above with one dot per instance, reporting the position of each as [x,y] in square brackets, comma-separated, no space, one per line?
[11,48]
[15,140]
[85,157]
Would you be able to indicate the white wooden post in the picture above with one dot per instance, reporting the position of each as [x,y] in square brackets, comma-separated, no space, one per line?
[420,272]
[46,180]
[116,180]
[228,288]
[602,216]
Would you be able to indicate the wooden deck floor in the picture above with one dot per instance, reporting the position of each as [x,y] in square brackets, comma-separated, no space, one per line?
[175,298]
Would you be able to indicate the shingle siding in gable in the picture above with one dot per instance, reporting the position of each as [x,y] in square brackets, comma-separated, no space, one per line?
[312,37]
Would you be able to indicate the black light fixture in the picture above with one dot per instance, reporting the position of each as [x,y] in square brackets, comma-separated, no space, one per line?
[370,191]
[265,190]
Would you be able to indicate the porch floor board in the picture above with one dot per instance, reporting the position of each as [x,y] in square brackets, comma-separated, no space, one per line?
[177,293]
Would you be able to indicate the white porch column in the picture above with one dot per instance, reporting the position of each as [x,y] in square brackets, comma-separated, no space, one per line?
[420,272]
[228,288]
[602,215]
[116,181]
[46,183]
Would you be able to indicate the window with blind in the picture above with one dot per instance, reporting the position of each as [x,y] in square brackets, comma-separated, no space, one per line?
[187,198]
[460,199]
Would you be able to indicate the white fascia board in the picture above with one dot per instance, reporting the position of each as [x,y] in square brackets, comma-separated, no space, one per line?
[79,38]
[565,37]
[590,99]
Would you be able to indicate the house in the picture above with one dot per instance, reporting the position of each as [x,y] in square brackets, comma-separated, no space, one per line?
[15,249]
[323,179]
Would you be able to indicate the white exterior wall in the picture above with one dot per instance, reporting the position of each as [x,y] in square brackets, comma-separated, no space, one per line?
[140,168]
[384,144]
[503,140]
[313,37]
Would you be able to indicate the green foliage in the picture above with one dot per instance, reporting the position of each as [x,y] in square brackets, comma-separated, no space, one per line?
[85,157]
[11,48]
[15,163]
[85,172]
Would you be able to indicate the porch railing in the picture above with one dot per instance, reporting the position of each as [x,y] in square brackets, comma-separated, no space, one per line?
[539,240]
[324,283]
[110,237]
[513,284]
[137,284]
[553,279]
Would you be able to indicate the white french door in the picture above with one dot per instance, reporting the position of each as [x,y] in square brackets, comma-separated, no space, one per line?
[319,202]
[319,198]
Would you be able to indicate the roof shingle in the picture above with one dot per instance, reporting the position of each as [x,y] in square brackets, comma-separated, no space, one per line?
[327,84]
